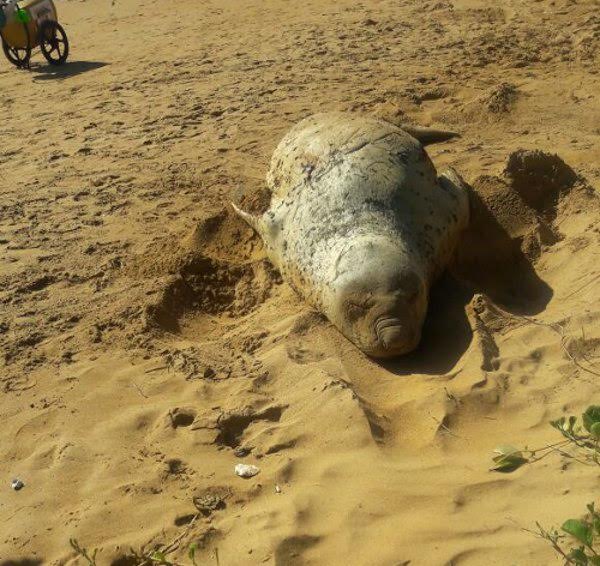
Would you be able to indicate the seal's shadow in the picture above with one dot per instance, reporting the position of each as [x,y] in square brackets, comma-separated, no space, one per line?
[446,332]
[489,261]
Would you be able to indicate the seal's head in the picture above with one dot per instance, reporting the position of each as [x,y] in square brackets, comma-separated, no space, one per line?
[380,298]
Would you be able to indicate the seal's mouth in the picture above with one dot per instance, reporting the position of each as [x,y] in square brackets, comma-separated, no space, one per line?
[393,337]
[386,328]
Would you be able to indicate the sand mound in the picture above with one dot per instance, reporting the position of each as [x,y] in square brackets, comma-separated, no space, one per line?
[217,269]
[500,98]
[541,179]
[495,104]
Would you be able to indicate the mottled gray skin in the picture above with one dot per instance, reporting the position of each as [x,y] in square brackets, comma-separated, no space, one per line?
[360,225]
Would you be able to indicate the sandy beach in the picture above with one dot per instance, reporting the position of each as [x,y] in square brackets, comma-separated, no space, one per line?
[148,346]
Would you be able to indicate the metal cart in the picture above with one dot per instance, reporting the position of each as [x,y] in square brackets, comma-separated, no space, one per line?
[26,25]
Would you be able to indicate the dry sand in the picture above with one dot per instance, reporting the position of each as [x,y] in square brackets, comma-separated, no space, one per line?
[145,339]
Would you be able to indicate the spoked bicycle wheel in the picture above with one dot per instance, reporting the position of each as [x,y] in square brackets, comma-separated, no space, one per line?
[18,56]
[54,43]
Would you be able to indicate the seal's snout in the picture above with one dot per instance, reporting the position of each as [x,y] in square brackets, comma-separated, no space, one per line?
[390,336]
[394,337]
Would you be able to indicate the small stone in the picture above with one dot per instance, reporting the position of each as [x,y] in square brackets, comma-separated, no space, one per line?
[209,373]
[208,503]
[246,470]
[241,452]
[17,484]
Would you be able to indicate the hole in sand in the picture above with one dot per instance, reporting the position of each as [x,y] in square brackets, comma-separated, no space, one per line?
[232,425]
[184,520]
[289,551]
[219,272]
[540,179]
[504,238]
[175,466]
[182,417]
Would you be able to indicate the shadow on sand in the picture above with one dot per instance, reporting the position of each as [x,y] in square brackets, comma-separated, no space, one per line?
[60,72]
[489,261]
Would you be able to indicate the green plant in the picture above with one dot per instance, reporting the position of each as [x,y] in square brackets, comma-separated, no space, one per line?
[582,444]
[192,553]
[586,533]
[151,558]
[581,437]
[141,558]
[91,560]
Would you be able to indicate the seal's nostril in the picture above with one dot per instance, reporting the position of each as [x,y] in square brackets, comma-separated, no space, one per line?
[390,332]
[391,335]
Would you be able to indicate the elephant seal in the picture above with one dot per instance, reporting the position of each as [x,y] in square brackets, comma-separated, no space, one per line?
[360,224]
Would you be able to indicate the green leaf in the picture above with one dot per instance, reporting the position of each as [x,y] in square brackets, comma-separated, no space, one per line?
[192,552]
[572,422]
[595,431]
[579,530]
[23,16]
[591,416]
[578,556]
[594,560]
[509,463]
[507,449]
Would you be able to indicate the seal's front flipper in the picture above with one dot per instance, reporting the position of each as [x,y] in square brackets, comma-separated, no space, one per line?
[428,135]
[255,222]
[451,177]
[453,183]
[267,226]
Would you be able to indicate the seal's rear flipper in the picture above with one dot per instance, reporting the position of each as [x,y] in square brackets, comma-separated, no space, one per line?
[428,135]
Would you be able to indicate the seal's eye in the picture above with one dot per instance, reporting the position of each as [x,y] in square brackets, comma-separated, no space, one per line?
[354,311]
[357,307]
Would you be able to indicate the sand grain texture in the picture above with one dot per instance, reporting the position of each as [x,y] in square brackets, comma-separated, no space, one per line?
[148,346]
